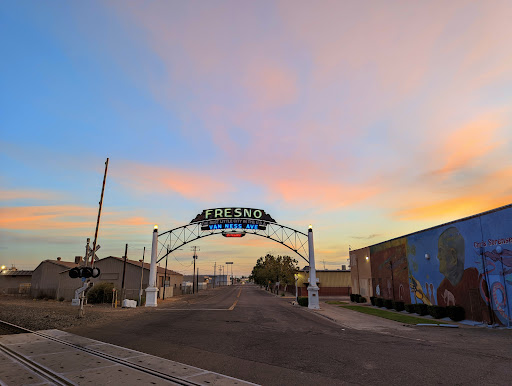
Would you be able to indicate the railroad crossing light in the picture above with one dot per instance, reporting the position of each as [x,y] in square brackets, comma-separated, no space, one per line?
[86,272]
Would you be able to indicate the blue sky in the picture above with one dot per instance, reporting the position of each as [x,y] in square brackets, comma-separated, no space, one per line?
[368,122]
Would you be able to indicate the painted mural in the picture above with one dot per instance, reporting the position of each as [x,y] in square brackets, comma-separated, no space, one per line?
[389,259]
[466,263]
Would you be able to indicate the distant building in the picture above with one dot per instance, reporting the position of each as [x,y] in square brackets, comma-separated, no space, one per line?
[111,269]
[45,278]
[14,282]
[330,282]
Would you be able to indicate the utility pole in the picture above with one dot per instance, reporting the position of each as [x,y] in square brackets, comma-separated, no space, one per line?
[195,248]
[214,273]
[124,272]
[141,275]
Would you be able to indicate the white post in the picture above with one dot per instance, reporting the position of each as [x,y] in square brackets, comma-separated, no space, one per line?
[313,302]
[152,290]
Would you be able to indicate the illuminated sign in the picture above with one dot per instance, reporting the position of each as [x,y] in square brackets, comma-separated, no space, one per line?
[233,218]
[233,234]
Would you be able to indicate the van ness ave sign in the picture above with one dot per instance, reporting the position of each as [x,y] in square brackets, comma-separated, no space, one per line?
[213,215]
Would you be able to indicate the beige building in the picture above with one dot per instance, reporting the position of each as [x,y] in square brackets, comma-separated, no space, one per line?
[361,273]
[111,269]
[14,282]
[45,278]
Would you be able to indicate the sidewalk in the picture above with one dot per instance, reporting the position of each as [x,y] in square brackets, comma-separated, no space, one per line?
[357,320]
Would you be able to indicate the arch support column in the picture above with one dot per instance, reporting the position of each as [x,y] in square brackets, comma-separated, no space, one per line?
[313,301]
[152,290]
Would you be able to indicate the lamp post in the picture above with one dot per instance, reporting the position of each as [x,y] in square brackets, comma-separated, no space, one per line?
[313,302]
[152,290]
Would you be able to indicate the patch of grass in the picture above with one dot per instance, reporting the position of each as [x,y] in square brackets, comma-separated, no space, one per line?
[390,315]
[335,302]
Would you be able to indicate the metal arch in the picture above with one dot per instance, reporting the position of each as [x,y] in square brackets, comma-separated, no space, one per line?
[174,239]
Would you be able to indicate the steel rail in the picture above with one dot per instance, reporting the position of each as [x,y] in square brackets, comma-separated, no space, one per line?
[54,377]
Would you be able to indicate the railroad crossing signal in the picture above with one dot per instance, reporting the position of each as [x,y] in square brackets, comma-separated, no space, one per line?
[84,272]
[89,253]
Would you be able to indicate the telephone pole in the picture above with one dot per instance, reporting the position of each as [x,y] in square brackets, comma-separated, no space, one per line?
[214,273]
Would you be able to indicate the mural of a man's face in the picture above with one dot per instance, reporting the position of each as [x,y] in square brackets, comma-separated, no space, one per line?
[451,255]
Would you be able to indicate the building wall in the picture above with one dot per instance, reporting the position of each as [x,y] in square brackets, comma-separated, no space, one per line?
[45,279]
[389,266]
[10,284]
[361,273]
[466,262]
[331,283]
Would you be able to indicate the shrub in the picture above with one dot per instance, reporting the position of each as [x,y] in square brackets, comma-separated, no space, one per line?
[356,298]
[456,313]
[352,297]
[410,308]
[388,303]
[361,299]
[399,306]
[437,312]
[379,302]
[303,301]
[421,309]
[100,293]
[372,300]
[61,299]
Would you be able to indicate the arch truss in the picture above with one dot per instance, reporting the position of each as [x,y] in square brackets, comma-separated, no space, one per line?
[176,238]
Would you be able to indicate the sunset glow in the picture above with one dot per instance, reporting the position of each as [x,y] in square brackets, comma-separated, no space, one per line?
[367,120]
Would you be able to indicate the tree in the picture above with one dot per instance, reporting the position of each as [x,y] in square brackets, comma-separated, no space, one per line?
[271,270]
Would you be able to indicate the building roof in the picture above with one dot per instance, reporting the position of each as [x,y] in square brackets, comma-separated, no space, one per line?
[63,264]
[146,265]
[16,273]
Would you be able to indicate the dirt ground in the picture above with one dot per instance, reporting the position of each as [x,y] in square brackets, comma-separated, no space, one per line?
[46,314]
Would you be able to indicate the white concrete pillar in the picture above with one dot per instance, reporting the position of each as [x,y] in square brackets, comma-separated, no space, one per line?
[313,301]
[152,290]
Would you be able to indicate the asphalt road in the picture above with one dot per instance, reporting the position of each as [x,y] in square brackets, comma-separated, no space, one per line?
[248,333]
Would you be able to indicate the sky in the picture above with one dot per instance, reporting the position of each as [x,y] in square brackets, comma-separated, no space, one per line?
[368,120]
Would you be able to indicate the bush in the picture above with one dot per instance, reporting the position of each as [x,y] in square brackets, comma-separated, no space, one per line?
[61,299]
[437,312]
[352,297]
[399,306]
[379,302]
[361,299]
[372,300]
[421,309]
[456,313]
[303,301]
[410,308]
[388,303]
[100,293]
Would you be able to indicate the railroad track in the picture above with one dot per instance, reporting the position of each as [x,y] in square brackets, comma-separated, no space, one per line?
[57,378]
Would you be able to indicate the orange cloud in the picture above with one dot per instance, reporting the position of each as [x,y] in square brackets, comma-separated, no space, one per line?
[19,194]
[454,208]
[464,146]
[46,217]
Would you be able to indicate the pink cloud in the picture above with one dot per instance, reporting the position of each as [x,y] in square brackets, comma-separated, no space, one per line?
[159,179]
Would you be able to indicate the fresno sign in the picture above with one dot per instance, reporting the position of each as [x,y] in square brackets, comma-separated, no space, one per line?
[233,218]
